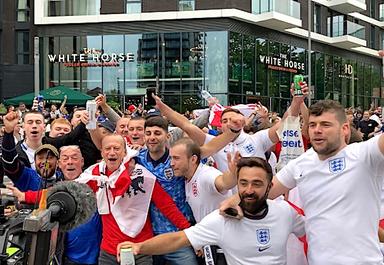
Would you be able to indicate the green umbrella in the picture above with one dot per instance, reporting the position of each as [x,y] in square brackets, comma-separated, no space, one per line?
[53,95]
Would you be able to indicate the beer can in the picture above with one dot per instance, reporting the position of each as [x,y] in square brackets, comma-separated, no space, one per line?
[91,109]
[127,257]
[297,80]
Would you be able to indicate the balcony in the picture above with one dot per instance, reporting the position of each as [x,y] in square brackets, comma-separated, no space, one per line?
[277,14]
[346,34]
[347,6]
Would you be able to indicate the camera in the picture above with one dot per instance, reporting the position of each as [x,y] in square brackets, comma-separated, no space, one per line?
[31,236]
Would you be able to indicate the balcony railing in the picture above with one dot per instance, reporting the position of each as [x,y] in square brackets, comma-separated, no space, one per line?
[341,28]
[286,7]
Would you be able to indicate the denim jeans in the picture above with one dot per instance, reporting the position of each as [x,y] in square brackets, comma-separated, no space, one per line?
[183,256]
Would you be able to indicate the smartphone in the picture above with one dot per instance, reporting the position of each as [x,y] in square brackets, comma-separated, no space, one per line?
[150,100]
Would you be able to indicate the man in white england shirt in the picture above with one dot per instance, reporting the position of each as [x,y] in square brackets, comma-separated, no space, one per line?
[340,187]
[205,186]
[259,238]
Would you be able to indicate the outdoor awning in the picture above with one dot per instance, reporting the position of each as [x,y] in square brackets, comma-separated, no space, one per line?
[52,95]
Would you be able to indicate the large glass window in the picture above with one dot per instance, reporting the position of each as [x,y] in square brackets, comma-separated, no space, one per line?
[23,8]
[235,63]
[381,12]
[113,76]
[133,6]
[317,18]
[22,47]
[73,7]
[91,75]
[186,5]
[216,64]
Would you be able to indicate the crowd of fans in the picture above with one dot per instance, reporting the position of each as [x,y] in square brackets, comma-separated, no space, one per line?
[160,177]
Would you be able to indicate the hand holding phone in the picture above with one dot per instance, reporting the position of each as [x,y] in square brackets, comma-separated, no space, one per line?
[150,100]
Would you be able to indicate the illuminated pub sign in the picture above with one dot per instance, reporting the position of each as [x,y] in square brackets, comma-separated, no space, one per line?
[91,57]
[282,63]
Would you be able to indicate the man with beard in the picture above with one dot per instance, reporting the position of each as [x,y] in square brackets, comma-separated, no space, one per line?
[340,187]
[259,238]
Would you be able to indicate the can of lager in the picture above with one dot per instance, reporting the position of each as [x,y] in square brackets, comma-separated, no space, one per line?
[297,80]
[127,257]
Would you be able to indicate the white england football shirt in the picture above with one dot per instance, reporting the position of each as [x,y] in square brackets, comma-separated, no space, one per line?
[247,241]
[341,201]
[247,145]
[201,192]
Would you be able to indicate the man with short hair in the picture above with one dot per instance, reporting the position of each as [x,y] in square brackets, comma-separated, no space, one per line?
[60,127]
[123,199]
[136,133]
[34,129]
[205,186]
[156,159]
[339,186]
[259,238]
[81,245]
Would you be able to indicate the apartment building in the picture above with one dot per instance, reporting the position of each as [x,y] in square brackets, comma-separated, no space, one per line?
[239,50]
[16,45]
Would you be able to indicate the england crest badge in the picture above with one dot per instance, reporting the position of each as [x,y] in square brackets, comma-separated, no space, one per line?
[263,236]
[337,165]
[168,173]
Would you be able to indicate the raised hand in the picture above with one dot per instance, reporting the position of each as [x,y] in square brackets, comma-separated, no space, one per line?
[101,100]
[10,121]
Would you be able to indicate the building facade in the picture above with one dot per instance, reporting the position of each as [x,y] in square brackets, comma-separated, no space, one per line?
[16,60]
[240,51]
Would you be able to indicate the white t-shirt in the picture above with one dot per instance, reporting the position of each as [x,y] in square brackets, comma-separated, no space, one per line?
[248,241]
[248,146]
[341,201]
[201,192]
[30,153]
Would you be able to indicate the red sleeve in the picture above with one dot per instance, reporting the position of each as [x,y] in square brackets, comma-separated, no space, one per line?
[167,206]
[31,196]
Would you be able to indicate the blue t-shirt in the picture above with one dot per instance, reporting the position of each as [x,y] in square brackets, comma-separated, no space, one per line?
[174,186]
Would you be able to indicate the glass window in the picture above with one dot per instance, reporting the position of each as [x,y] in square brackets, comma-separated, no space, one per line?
[170,66]
[216,64]
[22,50]
[133,6]
[142,71]
[248,77]
[70,74]
[23,7]
[381,12]
[317,18]
[91,75]
[113,76]
[73,7]
[261,67]
[372,37]
[235,62]
[186,5]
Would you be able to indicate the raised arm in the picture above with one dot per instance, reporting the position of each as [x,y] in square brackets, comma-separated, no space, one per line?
[63,104]
[180,121]
[11,163]
[101,101]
